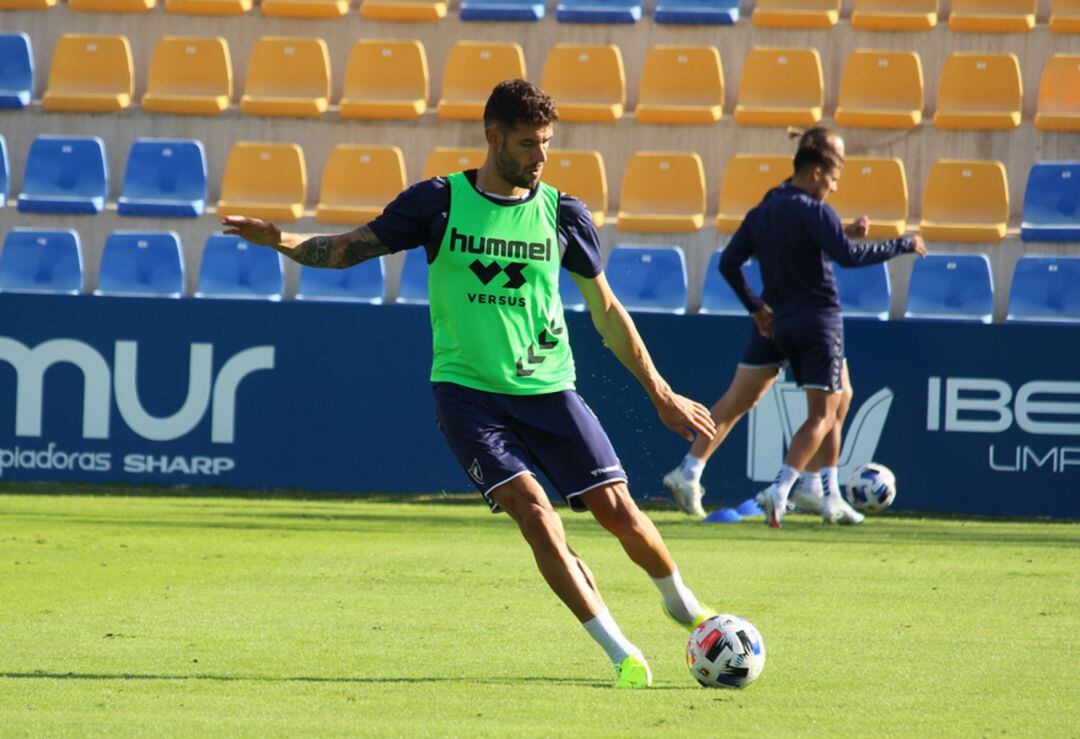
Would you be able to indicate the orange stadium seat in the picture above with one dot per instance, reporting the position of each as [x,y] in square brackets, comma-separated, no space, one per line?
[358,182]
[305,8]
[992,16]
[473,68]
[747,177]
[287,76]
[27,4]
[264,180]
[894,15]
[796,13]
[780,87]
[662,192]
[112,6]
[681,85]
[189,76]
[877,188]
[403,10]
[581,174]
[385,79]
[1064,16]
[90,74]
[587,82]
[444,160]
[979,91]
[208,7]
[881,89]
[1059,94]
[965,201]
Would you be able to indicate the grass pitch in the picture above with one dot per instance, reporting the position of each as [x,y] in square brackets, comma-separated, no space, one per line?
[245,617]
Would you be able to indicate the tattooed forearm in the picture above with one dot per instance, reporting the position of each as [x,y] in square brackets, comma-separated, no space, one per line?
[318,251]
[361,245]
[338,252]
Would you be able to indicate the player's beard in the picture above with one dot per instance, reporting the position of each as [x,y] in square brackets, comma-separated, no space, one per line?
[512,171]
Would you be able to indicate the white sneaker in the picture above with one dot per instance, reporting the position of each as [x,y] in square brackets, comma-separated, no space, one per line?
[686,493]
[809,501]
[838,510]
[773,504]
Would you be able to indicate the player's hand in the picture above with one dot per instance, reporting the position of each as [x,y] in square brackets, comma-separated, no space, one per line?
[763,321]
[253,230]
[920,247]
[859,228]
[684,416]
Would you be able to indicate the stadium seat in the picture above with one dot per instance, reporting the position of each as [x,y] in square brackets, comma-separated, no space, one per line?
[1065,16]
[89,74]
[569,292]
[979,92]
[894,15]
[208,7]
[27,4]
[444,160]
[264,180]
[681,85]
[164,178]
[501,10]
[413,288]
[473,68]
[1052,202]
[189,76]
[598,11]
[877,188]
[403,10]
[965,201]
[649,279]
[233,268]
[287,76]
[662,192]
[358,182]
[796,13]
[992,16]
[41,262]
[955,287]
[112,6]
[1045,289]
[304,8]
[384,80]
[717,297]
[747,177]
[587,82]
[146,264]
[4,176]
[881,89]
[65,174]
[361,283]
[697,12]
[1059,105]
[780,87]
[581,174]
[16,70]
[864,291]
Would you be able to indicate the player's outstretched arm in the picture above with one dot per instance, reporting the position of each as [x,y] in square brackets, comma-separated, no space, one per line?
[333,251]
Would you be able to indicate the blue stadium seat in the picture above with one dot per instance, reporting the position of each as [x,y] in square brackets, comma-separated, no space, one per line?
[568,291]
[1052,203]
[501,10]
[413,288]
[598,11]
[16,70]
[233,268]
[362,283]
[864,291]
[650,279]
[1045,290]
[3,173]
[65,174]
[142,263]
[697,12]
[951,287]
[164,178]
[717,297]
[36,261]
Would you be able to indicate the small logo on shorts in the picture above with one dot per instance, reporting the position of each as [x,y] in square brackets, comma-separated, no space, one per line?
[605,470]
[475,472]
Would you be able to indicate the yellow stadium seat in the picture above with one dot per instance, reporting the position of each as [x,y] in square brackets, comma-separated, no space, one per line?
[965,201]
[877,188]
[89,74]
[264,180]
[208,7]
[27,4]
[112,6]
[992,16]
[881,89]
[444,160]
[796,13]
[587,82]
[662,192]
[780,87]
[287,76]
[894,15]
[747,178]
[358,182]
[1064,16]
[189,76]
[305,8]
[581,174]
[473,68]
[403,10]
[1059,94]
[681,85]
[979,91]
[385,79]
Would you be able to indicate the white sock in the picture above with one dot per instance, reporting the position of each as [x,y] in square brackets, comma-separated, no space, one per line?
[605,632]
[691,468]
[679,600]
[829,477]
[785,479]
[810,481]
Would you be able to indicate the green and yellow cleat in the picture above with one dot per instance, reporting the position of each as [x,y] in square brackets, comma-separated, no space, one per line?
[633,672]
[699,619]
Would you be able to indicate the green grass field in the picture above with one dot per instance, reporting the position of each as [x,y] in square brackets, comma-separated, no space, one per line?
[253,617]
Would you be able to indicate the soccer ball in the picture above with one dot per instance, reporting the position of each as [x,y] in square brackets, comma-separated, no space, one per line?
[871,488]
[725,652]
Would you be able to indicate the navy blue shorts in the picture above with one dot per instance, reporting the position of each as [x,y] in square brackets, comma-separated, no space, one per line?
[761,352]
[815,350]
[498,437]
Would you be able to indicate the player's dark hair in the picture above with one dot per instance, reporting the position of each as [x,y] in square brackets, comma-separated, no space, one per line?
[519,101]
[817,148]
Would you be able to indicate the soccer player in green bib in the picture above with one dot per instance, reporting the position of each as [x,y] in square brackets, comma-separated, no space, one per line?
[503,373]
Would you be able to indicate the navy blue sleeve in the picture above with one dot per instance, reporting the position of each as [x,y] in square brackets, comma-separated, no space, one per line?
[826,230]
[416,217]
[577,233]
[735,254]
